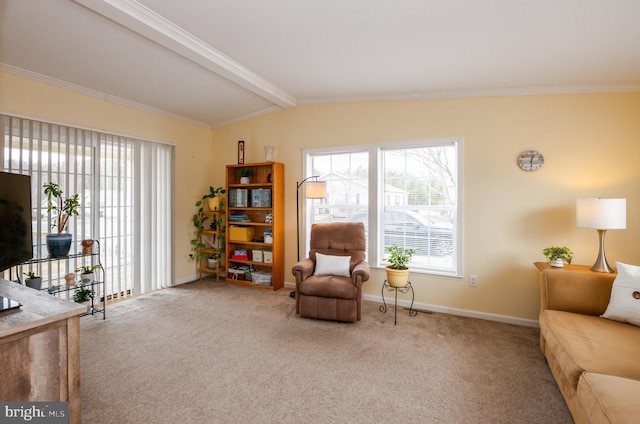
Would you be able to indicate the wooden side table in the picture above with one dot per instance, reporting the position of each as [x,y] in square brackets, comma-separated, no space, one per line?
[545,265]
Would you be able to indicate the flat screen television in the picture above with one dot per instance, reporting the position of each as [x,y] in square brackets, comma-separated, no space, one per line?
[16,236]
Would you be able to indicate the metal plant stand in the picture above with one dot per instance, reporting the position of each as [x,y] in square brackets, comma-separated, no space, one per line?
[405,289]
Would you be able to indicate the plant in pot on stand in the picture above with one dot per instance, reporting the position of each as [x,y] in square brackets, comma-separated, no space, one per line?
[398,268]
[58,244]
[33,280]
[215,199]
[83,294]
[557,256]
[198,219]
[213,258]
[87,275]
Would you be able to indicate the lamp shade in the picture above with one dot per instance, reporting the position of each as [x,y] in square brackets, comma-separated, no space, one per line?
[316,190]
[602,214]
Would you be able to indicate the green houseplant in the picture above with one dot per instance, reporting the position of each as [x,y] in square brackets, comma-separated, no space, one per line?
[557,255]
[32,280]
[215,199]
[213,258]
[245,173]
[87,273]
[59,243]
[198,219]
[398,268]
[196,243]
[82,294]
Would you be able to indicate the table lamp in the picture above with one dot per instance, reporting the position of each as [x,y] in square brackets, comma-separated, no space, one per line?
[603,215]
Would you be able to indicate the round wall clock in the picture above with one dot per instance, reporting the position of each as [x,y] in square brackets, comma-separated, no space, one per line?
[530,160]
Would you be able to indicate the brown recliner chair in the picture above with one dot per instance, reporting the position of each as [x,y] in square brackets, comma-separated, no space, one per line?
[329,282]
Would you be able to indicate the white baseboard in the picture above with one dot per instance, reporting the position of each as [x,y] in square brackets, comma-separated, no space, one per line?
[190,279]
[452,311]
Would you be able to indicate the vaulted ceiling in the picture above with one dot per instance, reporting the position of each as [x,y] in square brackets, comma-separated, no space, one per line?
[212,62]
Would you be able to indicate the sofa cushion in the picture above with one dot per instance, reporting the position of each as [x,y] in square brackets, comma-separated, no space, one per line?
[589,343]
[624,304]
[609,399]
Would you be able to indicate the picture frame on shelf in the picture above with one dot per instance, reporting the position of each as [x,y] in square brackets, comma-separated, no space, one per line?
[240,151]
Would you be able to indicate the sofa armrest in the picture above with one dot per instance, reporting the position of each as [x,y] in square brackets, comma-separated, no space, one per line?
[360,272]
[581,291]
[303,269]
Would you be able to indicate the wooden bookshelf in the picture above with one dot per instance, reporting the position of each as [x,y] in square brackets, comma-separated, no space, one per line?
[260,205]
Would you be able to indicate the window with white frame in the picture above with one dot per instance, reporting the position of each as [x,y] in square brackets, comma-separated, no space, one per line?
[405,193]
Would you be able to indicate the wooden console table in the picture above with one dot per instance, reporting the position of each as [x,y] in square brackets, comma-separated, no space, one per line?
[40,348]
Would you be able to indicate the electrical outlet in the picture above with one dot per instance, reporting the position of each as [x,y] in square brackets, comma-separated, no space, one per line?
[473,281]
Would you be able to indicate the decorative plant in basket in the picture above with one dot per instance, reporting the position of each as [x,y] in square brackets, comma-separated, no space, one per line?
[58,244]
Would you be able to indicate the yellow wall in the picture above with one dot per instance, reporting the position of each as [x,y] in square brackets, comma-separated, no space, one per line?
[591,145]
[22,96]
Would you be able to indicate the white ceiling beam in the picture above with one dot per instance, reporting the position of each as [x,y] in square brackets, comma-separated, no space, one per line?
[149,24]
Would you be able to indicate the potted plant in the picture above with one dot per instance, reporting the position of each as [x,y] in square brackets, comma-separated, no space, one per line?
[213,258]
[83,294]
[557,256]
[398,268]
[218,225]
[198,220]
[87,273]
[33,280]
[245,173]
[215,198]
[58,244]
[196,243]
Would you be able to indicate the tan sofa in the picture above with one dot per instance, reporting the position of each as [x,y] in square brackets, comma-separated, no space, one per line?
[595,361]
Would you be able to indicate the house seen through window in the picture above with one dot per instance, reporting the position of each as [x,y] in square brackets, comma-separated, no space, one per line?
[404,193]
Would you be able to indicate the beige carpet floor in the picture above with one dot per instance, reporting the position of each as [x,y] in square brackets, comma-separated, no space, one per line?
[216,353]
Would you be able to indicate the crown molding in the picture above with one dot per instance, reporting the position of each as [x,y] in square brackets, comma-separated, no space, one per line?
[146,22]
[98,94]
[246,116]
[488,92]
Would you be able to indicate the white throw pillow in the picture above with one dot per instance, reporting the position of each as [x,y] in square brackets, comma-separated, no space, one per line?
[624,304]
[332,265]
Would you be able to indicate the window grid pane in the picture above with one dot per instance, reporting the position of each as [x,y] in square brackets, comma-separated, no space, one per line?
[416,190]
[419,203]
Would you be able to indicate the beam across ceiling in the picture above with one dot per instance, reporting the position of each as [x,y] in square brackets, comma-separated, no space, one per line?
[144,21]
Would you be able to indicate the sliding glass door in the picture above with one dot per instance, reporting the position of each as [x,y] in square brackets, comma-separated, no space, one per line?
[125,187]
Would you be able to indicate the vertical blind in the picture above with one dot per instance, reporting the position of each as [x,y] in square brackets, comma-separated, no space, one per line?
[125,187]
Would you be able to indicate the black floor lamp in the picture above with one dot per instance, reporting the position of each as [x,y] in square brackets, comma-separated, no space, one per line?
[314,190]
